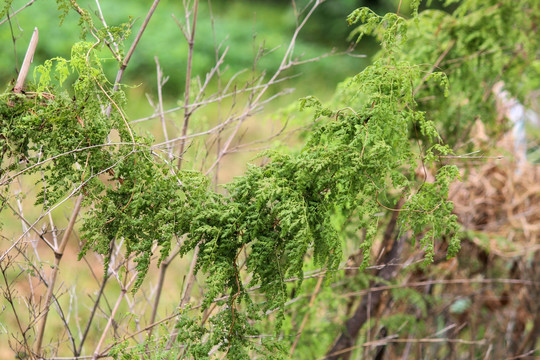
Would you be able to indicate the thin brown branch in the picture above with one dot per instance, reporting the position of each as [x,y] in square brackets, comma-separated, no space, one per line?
[40,274]
[392,339]
[187,292]
[25,232]
[131,50]
[8,295]
[102,18]
[112,315]
[285,64]
[11,178]
[162,272]
[59,252]
[407,341]
[215,98]
[444,282]
[105,352]
[160,83]
[187,113]
[119,111]
[435,65]
[101,293]
[69,196]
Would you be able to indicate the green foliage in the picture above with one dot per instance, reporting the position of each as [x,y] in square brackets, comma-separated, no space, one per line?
[5,8]
[64,6]
[472,46]
[151,349]
[61,136]
[359,161]
[353,160]
[384,96]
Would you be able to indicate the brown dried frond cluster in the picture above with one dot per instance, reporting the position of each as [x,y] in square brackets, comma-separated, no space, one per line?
[501,198]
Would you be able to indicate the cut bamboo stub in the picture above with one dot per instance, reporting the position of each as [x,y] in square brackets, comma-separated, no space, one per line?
[27,61]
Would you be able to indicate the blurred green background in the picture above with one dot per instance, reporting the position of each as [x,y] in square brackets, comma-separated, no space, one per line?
[241,25]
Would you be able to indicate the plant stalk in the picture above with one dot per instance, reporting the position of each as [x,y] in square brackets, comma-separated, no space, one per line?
[187,113]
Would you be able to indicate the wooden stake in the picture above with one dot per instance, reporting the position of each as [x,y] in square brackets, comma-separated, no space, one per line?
[27,61]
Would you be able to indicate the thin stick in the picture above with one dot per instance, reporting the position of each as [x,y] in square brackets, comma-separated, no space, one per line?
[71,194]
[162,272]
[4,182]
[25,232]
[429,341]
[95,307]
[124,65]
[212,99]
[58,253]
[191,278]
[111,317]
[8,295]
[92,313]
[23,222]
[187,292]
[17,11]
[160,83]
[443,282]
[102,18]
[159,290]
[27,61]
[187,113]
[148,327]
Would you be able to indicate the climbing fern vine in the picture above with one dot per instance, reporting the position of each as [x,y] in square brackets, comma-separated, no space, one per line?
[360,159]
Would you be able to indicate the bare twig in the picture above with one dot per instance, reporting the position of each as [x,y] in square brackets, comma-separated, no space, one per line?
[69,196]
[191,42]
[11,178]
[286,63]
[8,295]
[160,83]
[112,315]
[29,226]
[102,18]
[162,272]
[435,65]
[211,99]
[58,253]
[393,339]
[94,308]
[131,50]
[186,295]
[444,282]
